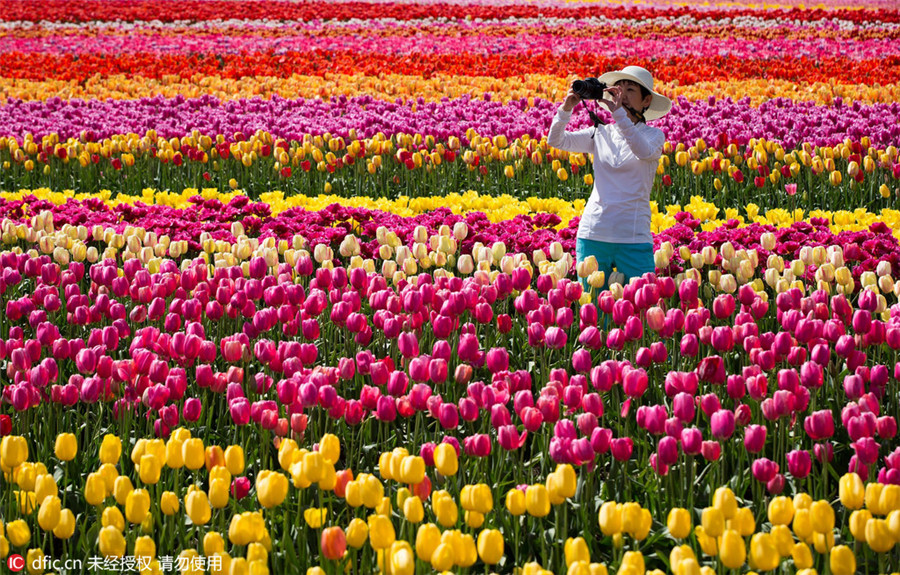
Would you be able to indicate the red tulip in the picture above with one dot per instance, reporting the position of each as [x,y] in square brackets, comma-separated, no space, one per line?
[333,542]
[240,487]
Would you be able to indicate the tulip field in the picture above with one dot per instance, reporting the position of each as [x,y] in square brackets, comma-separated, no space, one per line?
[290,287]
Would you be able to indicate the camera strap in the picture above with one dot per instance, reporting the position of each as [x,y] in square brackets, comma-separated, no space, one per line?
[637,114]
[595,119]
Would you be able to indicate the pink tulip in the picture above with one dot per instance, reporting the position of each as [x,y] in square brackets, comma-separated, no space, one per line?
[354,412]
[866,449]
[555,338]
[581,361]
[764,470]
[754,438]
[615,340]
[683,407]
[634,382]
[711,450]
[621,448]
[509,438]
[819,425]
[886,427]
[775,486]
[386,409]
[690,345]
[799,463]
[658,352]
[448,416]
[667,450]
[498,360]
[722,424]
[240,411]
[601,440]
[478,445]
[710,404]
[691,441]
[602,377]
[192,409]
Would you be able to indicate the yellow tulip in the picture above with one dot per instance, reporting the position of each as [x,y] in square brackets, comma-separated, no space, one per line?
[330,448]
[66,526]
[784,540]
[169,504]
[490,546]
[445,460]
[122,486]
[576,549]
[802,556]
[402,559]
[315,517]
[428,537]
[66,447]
[94,489]
[781,510]
[192,452]
[112,516]
[234,459]
[822,516]
[413,510]
[679,523]
[112,542]
[445,508]
[272,489]
[13,451]
[842,561]
[878,536]
[443,557]
[537,500]
[723,498]
[713,521]
[137,505]
[18,532]
[381,532]
[610,518]
[515,501]
[851,491]
[44,486]
[858,521]
[150,468]
[709,545]
[196,505]
[34,558]
[144,547]
[763,554]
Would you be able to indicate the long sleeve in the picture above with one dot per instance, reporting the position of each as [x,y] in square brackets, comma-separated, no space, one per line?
[558,137]
[641,146]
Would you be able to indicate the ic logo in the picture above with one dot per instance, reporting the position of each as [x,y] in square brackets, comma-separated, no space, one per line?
[15,563]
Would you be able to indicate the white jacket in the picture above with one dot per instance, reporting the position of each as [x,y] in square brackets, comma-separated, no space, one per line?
[625,160]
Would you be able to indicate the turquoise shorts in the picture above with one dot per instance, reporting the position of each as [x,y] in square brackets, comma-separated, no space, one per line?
[633,260]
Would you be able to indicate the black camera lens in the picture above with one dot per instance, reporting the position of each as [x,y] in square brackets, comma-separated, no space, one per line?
[588,89]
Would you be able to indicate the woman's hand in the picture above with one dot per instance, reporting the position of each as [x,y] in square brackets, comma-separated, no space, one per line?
[571,101]
[615,102]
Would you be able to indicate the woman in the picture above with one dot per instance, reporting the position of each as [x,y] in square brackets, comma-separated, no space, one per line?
[615,225]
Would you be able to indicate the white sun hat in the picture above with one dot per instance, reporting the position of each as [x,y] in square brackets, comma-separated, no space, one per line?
[659,106]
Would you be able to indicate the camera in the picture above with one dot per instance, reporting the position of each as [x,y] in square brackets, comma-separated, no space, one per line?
[589,89]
